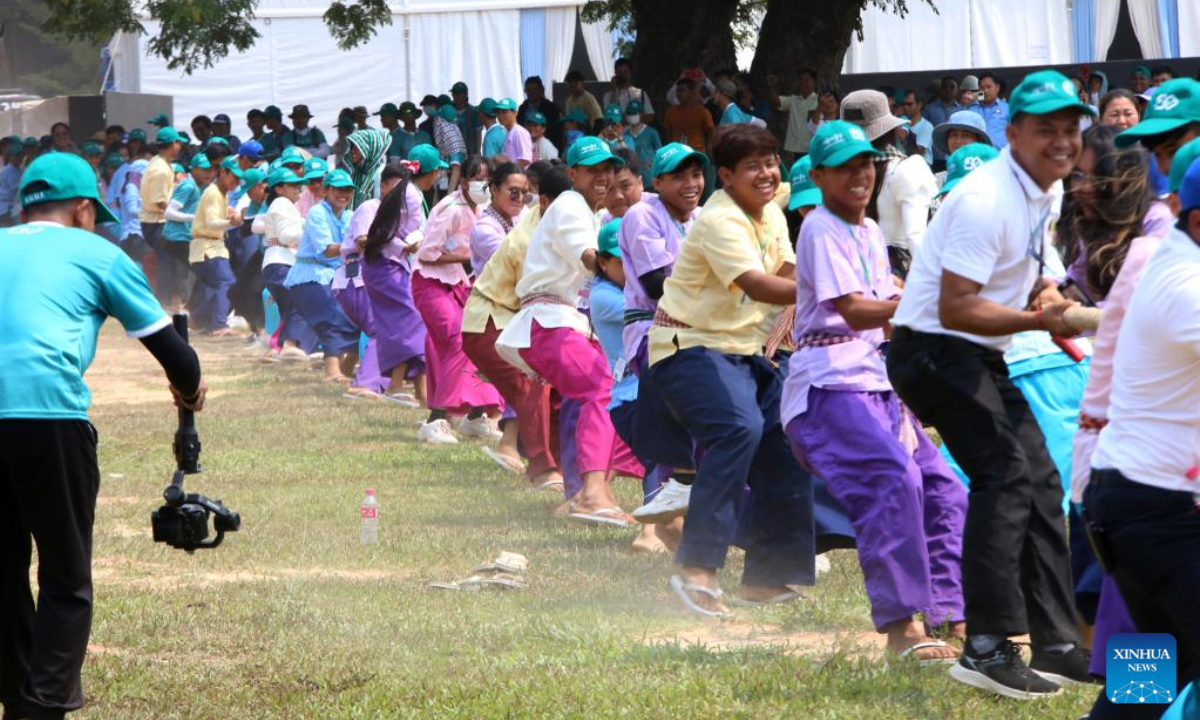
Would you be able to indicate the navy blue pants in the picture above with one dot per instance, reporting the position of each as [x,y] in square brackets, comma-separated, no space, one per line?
[729,405]
[214,277]
[294,326]
[322,313]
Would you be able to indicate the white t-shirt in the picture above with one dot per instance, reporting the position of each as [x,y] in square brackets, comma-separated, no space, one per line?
[545,149]
[798,133]
[1153,432]
[904,201]
[985,232]
[281,227]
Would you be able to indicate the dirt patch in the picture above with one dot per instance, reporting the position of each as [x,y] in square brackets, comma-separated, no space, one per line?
[726,636]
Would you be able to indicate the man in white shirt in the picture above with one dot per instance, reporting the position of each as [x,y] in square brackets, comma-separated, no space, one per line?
[967,294]
[623,92]
[1141,500]
[798,107]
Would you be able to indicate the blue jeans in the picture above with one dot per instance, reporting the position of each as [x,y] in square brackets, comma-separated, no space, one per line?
[729,405]
[294,326]
[214,278]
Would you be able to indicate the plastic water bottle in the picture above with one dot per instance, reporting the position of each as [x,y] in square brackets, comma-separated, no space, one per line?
[369,512]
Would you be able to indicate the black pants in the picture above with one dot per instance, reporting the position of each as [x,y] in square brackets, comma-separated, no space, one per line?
[1153,537]
[48,484]
[1016,562]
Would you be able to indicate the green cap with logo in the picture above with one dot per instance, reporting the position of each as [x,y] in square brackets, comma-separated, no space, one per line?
[427,158]
[283,176]
[200,160]
[837,142]
[315,168]
[607,243]
[338,179]
[488,107]
[507,104]
[273,111]
[1184,157]
[633,108]
[613,112]
[291,156]
[966,160]
[669,157]
[252,177]
[91,148]
[1045,92]
[577,116]
[216,140]
[591,150]
[137,134]
[164,136]
[535,118]
[805,192]
[1175,105]
[231,164]
[30,142]
[62,176]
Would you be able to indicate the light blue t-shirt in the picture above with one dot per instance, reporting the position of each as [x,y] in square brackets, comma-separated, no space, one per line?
[187,194]
[607,307]
[735,114]
[923,131]
[995,118]
[57,287]
[321,229]
[493,140]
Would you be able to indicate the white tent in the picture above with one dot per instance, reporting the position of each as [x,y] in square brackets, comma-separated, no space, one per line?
[430,45]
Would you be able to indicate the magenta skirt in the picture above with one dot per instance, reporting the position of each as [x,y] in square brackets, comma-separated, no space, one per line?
[452,382]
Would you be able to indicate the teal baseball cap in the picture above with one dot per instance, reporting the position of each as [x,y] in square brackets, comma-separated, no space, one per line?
[62,176]
[609,234]
[114,160]
[216,140]
[836,142]
[91,148]
[633,108]
[291,156]
[804,191]
[200,160]
[164,136]
[30,142]
[315,168]
[427,157]
[159,120]
[591,150]
[669,157]
[1175,105]
[964,161]
[535,118]
[447,113]
[283,176]
[487,106]
[178,168]
[1045,92]
[137,134]
[507,104]
[1184,157]
[613,112]
[338,179]
[252,177]
[231,164]
[577,116]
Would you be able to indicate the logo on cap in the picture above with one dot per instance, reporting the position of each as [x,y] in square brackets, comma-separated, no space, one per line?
[1165,102]
[834,140]
[1068,86]
[972,163]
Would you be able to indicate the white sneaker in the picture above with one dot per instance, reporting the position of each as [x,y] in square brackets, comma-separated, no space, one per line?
[479,428]
[436,433]
[823,564]
[670,502]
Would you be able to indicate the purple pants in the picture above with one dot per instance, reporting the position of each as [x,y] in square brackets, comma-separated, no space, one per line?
[399,331]
[907,509]
[354,302]
[1112,617]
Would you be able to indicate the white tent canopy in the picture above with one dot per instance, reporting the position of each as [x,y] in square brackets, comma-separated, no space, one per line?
[430,45]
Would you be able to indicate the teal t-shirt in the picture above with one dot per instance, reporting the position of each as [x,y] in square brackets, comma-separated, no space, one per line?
[735,114]
[493,140]
[57,287]
[187,194]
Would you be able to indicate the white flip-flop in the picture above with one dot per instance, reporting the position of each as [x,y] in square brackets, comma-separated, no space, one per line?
[401,399]
[683,590]
[603,516]
[505,462]
[911,651]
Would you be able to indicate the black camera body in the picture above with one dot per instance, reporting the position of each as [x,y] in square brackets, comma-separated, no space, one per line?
[182,522]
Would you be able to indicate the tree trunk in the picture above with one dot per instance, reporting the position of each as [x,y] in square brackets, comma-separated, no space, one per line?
[673,35]
[800,34]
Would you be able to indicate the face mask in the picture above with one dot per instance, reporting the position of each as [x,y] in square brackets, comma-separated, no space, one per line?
[532,201]
[634,119]
[479,192]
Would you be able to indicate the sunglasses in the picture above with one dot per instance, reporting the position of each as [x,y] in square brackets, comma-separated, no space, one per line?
[516,193]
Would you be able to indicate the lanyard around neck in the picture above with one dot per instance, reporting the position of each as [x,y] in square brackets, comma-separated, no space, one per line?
[868,275]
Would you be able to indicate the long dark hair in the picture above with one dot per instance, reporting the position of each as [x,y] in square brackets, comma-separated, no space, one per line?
[391,214]
[1121,194]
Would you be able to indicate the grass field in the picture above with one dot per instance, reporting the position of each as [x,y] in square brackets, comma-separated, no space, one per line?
[293,618]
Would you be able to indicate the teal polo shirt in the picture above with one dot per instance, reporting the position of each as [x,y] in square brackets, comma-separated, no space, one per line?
[187,193]
[57,287]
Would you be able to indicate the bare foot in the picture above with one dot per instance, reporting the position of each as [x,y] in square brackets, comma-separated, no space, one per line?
[670,533]
[549,480]
[760,593]
[647,542]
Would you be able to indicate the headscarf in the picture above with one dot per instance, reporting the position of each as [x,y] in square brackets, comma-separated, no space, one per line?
[373,144]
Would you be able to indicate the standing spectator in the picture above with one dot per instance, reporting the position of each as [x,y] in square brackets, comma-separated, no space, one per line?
[798,107]
[360,115]
[222,126]
[429,106]
[725,97]
[922,128]
[993,109]
[389,120]
[1139,81]
[642,139]
[303,136]
[623,91]
[202,128]
[407,136]
[689,122]
[518,145]
[536,101]
[1160,74]
[449,141]
[581,98]
[494,134]
[939,110]
[158,181]
[256,121]
[467,116]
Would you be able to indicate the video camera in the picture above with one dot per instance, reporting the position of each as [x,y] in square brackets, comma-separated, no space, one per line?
[183,521]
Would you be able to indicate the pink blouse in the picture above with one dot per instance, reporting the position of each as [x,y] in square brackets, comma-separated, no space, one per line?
[448,230]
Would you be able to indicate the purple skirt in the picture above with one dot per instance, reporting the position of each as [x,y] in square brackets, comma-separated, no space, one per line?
[399,331]
[354,302]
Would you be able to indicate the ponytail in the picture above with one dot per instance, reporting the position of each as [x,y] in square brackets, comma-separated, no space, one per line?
[389,218]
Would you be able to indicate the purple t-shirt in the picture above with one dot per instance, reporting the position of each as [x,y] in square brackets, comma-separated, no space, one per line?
[486,237]
[649,240]
[834,259]
[519,145]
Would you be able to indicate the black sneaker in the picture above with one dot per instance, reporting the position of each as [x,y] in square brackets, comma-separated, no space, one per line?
[1069,668]
[1002,671]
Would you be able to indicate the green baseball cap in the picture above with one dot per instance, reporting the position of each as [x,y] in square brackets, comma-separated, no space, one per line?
[137,134]
[1045,92]
[159,120]
[577,116]
[609,234]
[804,191]
[388,109]
[837,142]
[633,108]
[62,176]
[273,112]
[231,164]
[165,136]
[315,168]
[91,147]
[427,157]
[1143,70]
[1176,104]
[535,118]
[591,150]
[216,140]
[669,157]
[613,112]
[506,104]
[114,159]
[252,177]
[964,161]
[487,106]
[200,161]
[338,179]
[283,176]
[1184,157]
[178,168]
[13,140]
[459,87]
[346,123]
[291,156]
[447,113]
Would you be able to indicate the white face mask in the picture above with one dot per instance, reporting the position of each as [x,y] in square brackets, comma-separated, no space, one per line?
[479,192]
[634,119]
